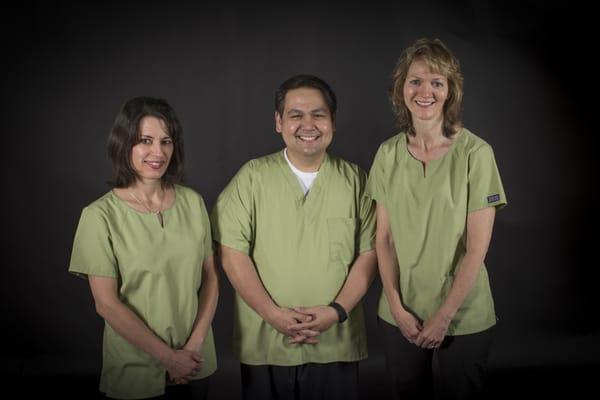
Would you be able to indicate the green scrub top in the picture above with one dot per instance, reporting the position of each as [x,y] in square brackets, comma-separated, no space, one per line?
[159,271]
[302,247]
[428,211]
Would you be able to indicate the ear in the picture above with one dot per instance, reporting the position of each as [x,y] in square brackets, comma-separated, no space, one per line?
[278,122]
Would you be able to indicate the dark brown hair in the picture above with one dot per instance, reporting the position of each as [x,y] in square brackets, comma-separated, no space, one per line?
[125,134]
[309,81]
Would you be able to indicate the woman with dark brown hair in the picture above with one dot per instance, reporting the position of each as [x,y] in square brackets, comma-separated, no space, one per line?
[146,249]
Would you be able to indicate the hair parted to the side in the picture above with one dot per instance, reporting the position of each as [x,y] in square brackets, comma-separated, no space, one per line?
[441,61]
[306,81]
[125,134]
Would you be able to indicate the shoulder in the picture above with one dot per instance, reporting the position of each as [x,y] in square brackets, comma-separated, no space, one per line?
[186,192]
[258,167]
[472,144]
[391,146]
[188,196]
[264,163]
[100,212]
[345,174]
[393,142]
[346,168]
[104,205]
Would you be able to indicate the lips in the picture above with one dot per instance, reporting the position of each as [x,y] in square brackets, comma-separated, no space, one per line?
[425,103]
[306,138]
[155,164]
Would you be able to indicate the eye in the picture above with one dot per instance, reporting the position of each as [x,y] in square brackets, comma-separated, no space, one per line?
[146,141]
[295,116]
[414,82]
[438,84]
[167,142]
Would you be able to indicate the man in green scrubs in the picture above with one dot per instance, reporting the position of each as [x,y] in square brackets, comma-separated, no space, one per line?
[296,237]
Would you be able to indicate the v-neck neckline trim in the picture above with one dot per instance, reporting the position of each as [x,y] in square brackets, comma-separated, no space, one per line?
[292,179]
[426,167]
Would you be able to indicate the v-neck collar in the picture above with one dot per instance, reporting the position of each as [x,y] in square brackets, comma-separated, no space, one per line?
[295,185]
[426,168]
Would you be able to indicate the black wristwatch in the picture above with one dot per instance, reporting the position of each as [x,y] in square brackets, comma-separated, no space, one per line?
[342,314]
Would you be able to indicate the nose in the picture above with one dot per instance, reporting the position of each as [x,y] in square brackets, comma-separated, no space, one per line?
[424,90]
[307,122]
[157,148]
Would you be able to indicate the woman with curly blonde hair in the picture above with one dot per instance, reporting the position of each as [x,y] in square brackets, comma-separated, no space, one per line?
[437,189]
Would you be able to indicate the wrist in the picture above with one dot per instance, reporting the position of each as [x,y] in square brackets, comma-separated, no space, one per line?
[341,311]
[164,355]
[269,313]
[445,315]
[195,347]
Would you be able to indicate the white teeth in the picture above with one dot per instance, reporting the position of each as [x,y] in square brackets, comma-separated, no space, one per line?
[308,138]
[424,103]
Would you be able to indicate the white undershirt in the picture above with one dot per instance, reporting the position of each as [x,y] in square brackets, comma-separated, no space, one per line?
[306,179]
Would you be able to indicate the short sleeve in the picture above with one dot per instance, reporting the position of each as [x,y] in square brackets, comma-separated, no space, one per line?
[92,248]
[208,243]
[375,188]
[366,240]
[232,216]
[485,185]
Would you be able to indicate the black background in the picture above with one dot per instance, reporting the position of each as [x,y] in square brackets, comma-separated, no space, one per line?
[531,89]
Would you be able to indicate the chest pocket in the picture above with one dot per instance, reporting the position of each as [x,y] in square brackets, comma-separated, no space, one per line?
[342,241]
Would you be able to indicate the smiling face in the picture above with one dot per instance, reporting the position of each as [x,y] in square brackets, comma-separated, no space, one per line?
[306,127]
[425,93]
[150,157]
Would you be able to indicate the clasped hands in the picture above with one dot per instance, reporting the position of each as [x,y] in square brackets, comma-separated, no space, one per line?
[302,324]
[427,335]
[182,365]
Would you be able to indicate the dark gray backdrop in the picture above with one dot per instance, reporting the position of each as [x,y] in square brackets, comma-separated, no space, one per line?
[529,91]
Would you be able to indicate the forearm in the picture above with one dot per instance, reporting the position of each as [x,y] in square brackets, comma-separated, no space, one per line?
[128,325]
[359,279]
[464,280]
[241,272]
[389,272]
[479,234]
[207,306]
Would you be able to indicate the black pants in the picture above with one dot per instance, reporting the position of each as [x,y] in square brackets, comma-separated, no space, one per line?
[194,390]
[454,371]
[331,381]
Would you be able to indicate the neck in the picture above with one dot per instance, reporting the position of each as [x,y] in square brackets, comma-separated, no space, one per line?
[148,189]
[304,163]
[428,133]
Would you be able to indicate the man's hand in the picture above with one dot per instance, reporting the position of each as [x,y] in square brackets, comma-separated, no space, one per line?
[322,318]
[283,318]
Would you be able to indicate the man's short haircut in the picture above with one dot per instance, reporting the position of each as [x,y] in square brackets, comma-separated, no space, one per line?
[306,81]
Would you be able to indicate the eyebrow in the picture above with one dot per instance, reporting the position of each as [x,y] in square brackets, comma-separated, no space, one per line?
[144,136]
[438,77]
[316,110]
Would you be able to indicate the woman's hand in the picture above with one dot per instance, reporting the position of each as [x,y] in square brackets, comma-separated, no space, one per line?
[434,331]
[182,365]
[408,324]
